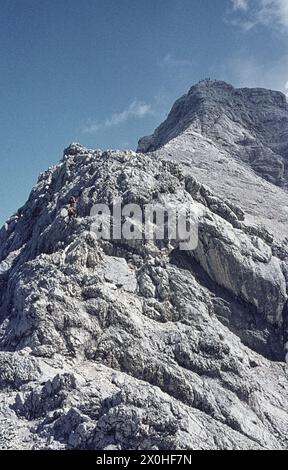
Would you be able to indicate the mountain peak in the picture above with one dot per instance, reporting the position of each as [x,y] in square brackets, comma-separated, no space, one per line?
[73,149]
[250,124]
[208,83]
[218,89]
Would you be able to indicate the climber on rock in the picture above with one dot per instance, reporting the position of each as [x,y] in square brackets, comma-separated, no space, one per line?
[72,210]
[72,201]
[72,213]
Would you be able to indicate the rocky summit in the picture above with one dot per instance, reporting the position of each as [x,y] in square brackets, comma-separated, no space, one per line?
[128,344]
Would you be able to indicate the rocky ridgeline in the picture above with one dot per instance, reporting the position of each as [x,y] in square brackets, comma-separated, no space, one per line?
[251,124]
[129,345]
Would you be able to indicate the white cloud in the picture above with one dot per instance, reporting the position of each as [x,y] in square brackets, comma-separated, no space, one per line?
[240,4]
[273,13]
[246,71]
[170,61]
[137,109]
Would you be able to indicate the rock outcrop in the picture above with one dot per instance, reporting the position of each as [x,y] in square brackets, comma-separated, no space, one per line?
[131,344]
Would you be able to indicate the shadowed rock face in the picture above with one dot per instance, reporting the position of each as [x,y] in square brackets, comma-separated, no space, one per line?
[129,345]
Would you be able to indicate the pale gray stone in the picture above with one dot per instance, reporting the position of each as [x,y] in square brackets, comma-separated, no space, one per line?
[129,345]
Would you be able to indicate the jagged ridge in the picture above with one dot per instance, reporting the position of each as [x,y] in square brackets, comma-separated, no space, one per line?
[132,345]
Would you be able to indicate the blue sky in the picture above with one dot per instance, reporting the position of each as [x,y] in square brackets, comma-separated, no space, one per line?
[106,72]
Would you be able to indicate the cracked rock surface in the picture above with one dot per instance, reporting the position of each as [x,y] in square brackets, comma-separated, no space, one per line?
[234,140]
[130,345]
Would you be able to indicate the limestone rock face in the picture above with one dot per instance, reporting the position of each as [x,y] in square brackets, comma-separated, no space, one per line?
[134,344]
[235,141]
[252,124]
